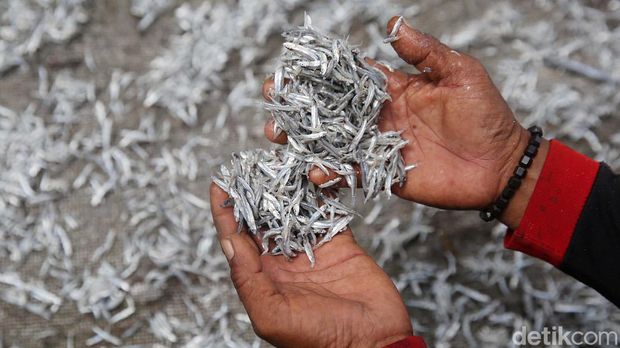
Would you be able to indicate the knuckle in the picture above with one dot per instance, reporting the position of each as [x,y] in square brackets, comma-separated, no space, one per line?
[473,64]
[470,68]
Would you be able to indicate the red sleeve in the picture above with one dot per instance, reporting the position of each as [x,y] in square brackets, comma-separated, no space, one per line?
[563,187]
[409,342]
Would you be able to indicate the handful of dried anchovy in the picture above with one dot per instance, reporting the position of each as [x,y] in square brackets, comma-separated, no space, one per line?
[273,196]
[327,99]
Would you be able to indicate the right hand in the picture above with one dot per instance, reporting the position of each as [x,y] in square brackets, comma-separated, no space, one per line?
[462,135]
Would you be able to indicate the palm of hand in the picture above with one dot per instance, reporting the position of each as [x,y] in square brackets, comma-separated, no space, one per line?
[461,135]
[346,300]
[322,306]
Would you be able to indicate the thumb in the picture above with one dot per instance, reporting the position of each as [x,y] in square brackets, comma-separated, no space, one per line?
[257,291]
[426,53]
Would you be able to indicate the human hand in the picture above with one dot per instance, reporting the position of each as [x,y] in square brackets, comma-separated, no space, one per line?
[462,135]
[346,300]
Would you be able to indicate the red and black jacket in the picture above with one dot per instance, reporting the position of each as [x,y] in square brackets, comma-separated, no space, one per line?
[572,221]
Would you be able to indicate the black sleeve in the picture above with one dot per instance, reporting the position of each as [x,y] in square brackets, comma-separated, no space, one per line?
[593,255]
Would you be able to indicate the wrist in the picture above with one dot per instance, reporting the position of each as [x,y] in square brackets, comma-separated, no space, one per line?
[513,213]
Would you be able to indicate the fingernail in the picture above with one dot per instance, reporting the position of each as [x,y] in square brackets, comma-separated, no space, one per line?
[228,249]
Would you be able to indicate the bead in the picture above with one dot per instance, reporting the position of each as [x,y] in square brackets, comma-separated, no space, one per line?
[520,172]
[531,150]
[508,193]
[535,139]
[486,216]
[535,130]
[514,183]
[526,161]
[496,211]
[502,203]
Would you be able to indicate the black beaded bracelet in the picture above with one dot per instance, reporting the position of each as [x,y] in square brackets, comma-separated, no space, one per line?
[494,210]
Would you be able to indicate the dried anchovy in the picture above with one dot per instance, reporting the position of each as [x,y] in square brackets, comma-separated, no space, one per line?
[179,80]
[28,25]
[162,328]
[394,33]
[580,68]
[274,198]
[102,335]
[32,297]
[327,99]
[148,11]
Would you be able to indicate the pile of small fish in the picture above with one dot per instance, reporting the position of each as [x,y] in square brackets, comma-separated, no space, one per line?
[179,79]
[27,25]
[273,196]
[148,11]
[327,99]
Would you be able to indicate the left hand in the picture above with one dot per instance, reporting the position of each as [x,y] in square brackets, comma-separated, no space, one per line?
[346,300]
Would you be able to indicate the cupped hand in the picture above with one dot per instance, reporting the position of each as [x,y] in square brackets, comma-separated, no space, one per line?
[462,135]
[346,300]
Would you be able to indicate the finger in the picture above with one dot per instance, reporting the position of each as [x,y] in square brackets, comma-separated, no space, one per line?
[268,85]
[318,177]
[223,215]
[426,53]
[256,290]
[275,134]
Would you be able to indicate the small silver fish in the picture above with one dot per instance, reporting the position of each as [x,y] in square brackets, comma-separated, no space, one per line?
[394,33]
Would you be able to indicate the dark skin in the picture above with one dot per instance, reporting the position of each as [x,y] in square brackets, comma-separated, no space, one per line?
[466,142]
[346,300]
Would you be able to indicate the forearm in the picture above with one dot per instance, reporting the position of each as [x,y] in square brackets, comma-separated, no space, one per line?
[566,214]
